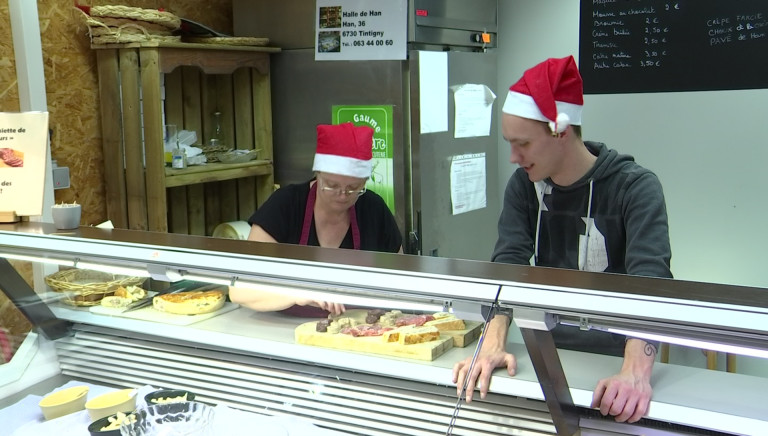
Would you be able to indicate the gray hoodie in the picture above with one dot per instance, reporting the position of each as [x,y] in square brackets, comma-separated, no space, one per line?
[614,219]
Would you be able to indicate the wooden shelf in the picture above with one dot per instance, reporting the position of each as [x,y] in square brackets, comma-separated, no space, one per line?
[216,172]
[145,85]
[188,45]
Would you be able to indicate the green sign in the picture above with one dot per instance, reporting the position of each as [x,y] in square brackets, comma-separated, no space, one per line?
[379,118]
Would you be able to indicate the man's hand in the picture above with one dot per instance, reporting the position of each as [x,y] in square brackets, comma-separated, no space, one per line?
[624,396]
[481,373]
[492,355]
[627,394]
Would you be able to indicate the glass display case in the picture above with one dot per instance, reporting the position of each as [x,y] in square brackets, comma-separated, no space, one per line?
[252,360]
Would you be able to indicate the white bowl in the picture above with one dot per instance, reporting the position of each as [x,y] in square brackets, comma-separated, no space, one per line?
[111,403]
[237,156]
[63,402]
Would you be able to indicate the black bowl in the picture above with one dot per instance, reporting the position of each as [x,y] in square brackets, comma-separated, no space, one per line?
[168,393]
[95,426]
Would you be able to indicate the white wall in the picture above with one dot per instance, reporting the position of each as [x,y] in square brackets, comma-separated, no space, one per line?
[527,37]
[708,149]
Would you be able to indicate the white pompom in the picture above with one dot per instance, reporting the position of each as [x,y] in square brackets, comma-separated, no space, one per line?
[561,123]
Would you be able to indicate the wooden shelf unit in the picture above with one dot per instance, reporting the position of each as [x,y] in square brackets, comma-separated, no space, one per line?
[138,83]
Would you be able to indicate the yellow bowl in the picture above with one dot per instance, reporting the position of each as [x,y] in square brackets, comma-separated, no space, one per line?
[63,402]
[111,403]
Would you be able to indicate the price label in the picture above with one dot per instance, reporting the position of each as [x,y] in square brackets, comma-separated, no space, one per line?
[361,30]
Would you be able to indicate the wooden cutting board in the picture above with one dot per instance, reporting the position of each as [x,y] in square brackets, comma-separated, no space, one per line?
[306,334]
[462,338]
[149,313]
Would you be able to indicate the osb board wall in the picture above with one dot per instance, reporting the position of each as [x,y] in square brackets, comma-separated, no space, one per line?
[72,93]
[12,322]
[72,87]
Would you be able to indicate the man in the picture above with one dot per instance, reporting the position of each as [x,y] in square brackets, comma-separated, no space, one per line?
[577,205]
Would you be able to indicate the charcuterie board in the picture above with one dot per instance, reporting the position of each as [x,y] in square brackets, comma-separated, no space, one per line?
[307,334]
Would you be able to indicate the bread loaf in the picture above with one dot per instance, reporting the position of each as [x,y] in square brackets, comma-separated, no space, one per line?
[190,303]
[409,334]
[447,323]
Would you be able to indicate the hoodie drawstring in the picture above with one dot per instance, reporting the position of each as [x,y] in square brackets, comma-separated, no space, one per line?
[585,254]
[541,189]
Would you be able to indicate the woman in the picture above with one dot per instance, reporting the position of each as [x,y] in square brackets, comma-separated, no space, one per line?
[332,210]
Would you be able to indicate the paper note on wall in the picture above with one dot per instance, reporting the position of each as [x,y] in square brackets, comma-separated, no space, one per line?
[433,91]
[474,109]
[23,146]
[468,182]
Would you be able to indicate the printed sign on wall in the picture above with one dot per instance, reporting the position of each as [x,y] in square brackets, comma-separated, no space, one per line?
[379,118]
[360,30]
[23,145]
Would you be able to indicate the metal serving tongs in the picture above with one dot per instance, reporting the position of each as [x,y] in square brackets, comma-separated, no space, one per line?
[488,318]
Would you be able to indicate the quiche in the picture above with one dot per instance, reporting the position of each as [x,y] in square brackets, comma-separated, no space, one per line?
[190,302]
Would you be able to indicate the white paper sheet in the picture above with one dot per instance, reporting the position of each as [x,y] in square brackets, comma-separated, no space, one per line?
[23,152]
[361,30]
[468,182]
[433,91]
[474,105]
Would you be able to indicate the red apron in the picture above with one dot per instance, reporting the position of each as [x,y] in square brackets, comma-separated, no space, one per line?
[309,211]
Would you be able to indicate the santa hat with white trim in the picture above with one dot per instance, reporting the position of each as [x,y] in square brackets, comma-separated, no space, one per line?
[344,149]
[551,91]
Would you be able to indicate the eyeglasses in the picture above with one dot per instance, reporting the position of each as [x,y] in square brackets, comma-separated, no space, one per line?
[339,191]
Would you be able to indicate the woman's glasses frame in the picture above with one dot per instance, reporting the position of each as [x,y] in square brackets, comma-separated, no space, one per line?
[338,190]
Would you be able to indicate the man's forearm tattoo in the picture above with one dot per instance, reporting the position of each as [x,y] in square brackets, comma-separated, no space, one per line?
[650,349]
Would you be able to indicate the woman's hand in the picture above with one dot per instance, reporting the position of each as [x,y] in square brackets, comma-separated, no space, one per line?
[334,308]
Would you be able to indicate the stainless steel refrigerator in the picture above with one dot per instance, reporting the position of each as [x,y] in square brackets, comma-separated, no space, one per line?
[304,92]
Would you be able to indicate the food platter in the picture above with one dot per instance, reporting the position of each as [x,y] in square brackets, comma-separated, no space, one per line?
[307,334]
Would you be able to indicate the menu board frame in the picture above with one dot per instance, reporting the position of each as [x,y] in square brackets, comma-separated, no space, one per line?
[678,45]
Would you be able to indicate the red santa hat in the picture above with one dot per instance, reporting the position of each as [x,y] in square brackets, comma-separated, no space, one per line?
[344,149]
[551,91]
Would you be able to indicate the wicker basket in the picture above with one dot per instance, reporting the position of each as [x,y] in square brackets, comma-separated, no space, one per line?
[83,287]
[124,24]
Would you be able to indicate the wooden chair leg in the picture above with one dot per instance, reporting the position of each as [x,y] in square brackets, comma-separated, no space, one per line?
[711,359]
[664,353]
[730,362]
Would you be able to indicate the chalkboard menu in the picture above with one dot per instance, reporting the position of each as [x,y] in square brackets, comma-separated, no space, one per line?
[687,45]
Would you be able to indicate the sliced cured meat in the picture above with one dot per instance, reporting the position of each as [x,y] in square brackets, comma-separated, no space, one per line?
[365,330]
[14,162]
[9,158]
[417,320]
